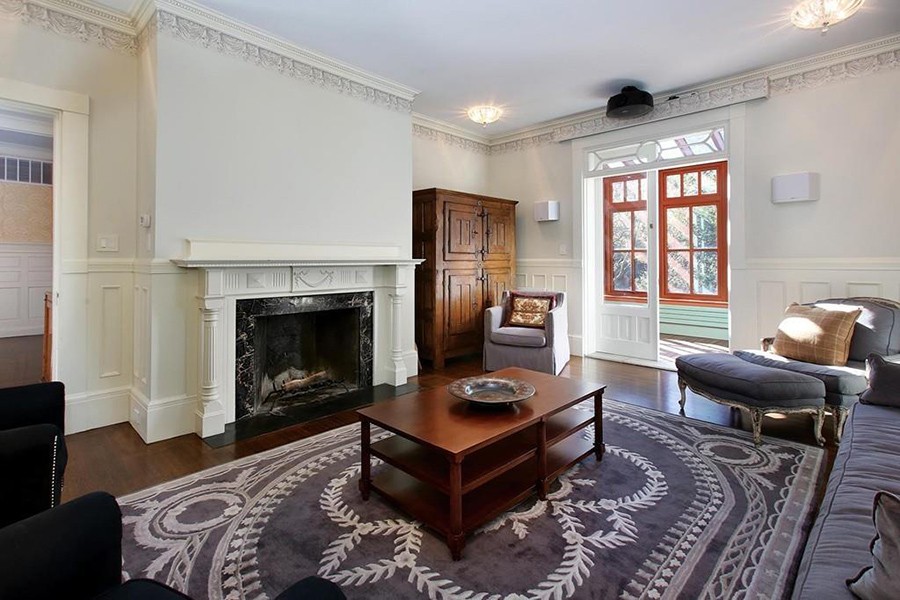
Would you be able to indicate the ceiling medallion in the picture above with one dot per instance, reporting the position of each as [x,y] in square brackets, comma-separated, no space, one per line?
[484,114]
[822,14]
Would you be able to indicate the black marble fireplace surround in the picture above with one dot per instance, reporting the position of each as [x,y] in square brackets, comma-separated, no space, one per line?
[293,337]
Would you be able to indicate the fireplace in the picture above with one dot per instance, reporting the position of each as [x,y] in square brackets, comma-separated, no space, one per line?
[296,350]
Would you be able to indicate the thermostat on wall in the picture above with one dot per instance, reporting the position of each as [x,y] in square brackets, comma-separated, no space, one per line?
[546,211]
[796,187]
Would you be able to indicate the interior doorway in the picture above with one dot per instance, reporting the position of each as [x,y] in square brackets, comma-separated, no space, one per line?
[26,243]
[660,248]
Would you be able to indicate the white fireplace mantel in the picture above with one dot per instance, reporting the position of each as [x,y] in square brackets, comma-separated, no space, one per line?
[237,270]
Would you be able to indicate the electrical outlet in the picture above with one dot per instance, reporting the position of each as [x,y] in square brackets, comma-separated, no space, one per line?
[563,249]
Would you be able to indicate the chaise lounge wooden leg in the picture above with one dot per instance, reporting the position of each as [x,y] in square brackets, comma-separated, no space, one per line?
[682,385]
[840,417]
[756,417]
[818,420]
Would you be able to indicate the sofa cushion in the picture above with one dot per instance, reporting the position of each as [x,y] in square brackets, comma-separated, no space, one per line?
[729,378]
[881,580]
[816,334]
[877,329]
[838,544]
[845,381]
[884,382]
[519,336]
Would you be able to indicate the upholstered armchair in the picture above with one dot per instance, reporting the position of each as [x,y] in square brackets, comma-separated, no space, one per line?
[32,449]
[539,349]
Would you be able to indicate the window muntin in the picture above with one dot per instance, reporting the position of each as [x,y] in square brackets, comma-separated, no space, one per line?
[698,143]
[626,235]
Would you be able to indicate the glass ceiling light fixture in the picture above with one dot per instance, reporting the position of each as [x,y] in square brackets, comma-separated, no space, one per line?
[484,114]
[822,14]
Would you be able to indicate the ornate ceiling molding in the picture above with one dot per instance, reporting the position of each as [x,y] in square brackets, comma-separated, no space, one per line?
[206,28]
[431,129]
[76,20]
[810,72]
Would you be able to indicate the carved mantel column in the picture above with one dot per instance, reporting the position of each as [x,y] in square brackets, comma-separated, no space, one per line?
[210,413]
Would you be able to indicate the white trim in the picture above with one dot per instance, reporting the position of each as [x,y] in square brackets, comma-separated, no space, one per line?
[91,13]
[161,419]
[881,263]
[653,364]
[89,410]
[26,123]
[448,128]
[548,263]
[44,98]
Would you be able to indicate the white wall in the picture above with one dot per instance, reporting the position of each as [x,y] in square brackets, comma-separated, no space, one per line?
[437,164]
[245,153]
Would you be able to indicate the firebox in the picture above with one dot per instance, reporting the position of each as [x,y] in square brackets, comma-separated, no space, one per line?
[301,350]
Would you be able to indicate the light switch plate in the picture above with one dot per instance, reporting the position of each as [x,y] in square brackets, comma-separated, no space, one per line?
[108,242]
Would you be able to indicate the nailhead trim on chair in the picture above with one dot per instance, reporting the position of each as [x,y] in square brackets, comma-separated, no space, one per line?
[53,472]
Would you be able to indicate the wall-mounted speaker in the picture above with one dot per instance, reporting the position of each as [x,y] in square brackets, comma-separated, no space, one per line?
[796,187]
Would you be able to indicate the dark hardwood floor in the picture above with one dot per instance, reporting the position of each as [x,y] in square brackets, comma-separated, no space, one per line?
[115,458]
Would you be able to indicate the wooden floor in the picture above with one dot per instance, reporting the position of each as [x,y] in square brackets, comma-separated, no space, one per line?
[115,459]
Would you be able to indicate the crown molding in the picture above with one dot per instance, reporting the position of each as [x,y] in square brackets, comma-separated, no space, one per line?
[844,63]
[450,135]
[76,19]
[193,23]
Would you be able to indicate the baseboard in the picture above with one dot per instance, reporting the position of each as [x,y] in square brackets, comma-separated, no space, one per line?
[160,419]
[90,410]
[576,345]
[17,331]
[641,362]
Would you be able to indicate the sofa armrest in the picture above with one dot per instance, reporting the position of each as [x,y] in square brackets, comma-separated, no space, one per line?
[73,551]
[33,404]
[765,344]
[32,461]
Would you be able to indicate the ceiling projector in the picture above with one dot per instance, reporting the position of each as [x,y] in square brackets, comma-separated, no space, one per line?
[629,104]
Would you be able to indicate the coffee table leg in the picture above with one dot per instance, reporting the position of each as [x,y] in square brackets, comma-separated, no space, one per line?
[599,446]
[542,459]
[457,538]
[366,475]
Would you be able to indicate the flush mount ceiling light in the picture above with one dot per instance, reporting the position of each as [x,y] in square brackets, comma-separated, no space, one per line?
[484,114]
[822,14]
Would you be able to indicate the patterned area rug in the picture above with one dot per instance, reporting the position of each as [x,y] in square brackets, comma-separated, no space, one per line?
[677,509]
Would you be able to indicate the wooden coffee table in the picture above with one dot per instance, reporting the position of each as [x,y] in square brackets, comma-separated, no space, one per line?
[455,466]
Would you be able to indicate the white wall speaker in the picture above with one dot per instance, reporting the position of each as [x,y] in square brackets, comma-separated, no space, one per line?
[796,187]
[546,211]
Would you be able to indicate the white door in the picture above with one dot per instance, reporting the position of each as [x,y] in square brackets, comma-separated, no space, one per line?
[626,246]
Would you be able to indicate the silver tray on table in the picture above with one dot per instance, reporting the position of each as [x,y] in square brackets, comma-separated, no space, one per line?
[485,389]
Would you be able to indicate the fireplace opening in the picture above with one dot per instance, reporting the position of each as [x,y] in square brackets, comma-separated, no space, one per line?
[301,350]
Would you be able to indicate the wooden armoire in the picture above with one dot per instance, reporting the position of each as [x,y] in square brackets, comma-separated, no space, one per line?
[469,246]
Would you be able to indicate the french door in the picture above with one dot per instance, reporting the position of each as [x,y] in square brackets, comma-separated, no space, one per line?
[627,323]
[683,261]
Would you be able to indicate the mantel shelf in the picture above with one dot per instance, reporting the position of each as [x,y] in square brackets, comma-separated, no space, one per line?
[228,263]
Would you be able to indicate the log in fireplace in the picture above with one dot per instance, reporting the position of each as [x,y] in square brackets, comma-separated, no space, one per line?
[301,350]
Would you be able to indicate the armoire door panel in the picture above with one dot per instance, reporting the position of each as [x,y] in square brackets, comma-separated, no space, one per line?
[500,225]
[497,281]
[463,231]
[464,306]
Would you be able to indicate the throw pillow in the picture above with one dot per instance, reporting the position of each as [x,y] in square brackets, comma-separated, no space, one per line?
[529,309]
[882,579]
[884,382]
[816,335]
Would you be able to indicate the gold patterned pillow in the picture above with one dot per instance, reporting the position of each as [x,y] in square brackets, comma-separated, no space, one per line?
[528,310]
[816,335]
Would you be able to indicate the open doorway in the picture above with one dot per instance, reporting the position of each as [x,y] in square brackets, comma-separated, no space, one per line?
[26,244]
[660,251]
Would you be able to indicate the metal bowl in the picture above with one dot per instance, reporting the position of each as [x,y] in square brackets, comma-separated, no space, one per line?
[491,390]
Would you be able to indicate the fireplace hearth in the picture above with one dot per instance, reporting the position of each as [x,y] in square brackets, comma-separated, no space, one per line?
[301,350]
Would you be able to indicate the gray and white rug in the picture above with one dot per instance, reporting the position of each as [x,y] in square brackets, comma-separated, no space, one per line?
[677,509]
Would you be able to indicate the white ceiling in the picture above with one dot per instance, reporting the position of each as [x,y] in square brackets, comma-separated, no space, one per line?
[544,59]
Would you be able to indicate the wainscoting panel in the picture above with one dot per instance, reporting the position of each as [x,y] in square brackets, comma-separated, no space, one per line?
[26,274]
[111,331]
[558,275]
[762,290]
[810,291]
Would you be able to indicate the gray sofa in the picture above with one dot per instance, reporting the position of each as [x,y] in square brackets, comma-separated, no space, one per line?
[876,331]
[838,545]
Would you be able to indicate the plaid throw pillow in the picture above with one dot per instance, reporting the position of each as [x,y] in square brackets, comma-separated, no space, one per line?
[816,335]
[529,309]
